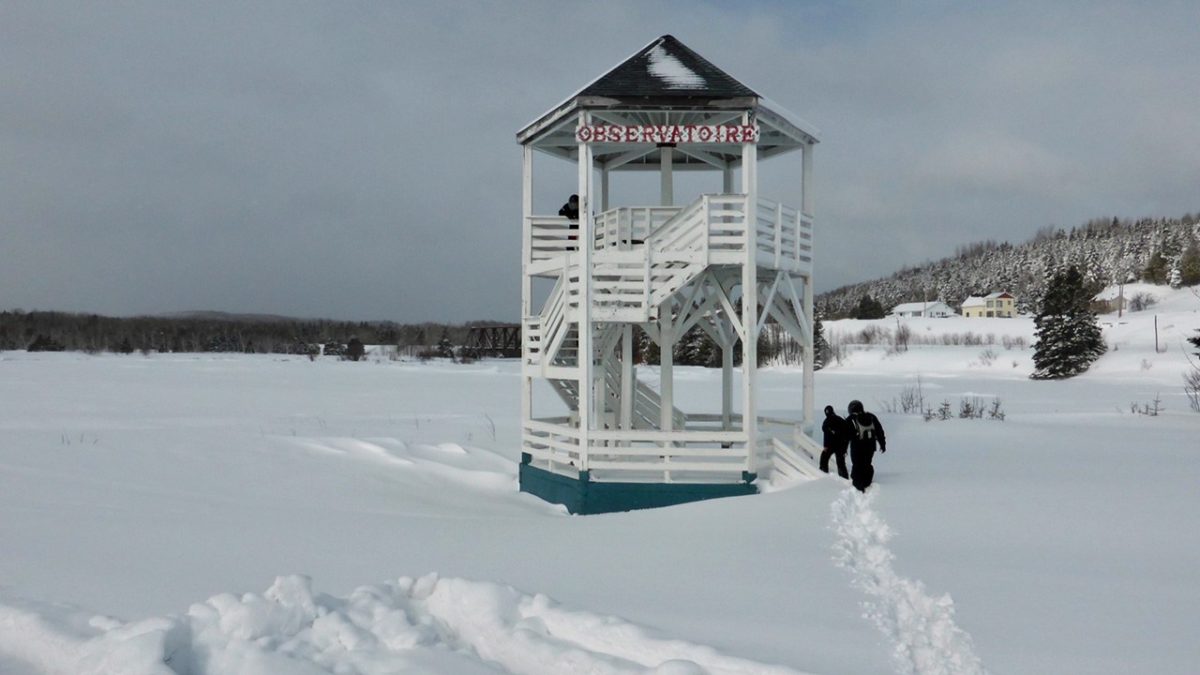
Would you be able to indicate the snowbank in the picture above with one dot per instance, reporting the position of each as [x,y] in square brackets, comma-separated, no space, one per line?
[421,625]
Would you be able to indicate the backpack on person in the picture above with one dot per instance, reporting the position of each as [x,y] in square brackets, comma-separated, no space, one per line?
[864,432]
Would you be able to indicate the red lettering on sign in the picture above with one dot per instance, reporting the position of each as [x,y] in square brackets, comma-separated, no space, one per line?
[667,133]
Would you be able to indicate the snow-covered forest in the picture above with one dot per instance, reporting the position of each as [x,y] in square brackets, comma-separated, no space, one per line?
[1106,250]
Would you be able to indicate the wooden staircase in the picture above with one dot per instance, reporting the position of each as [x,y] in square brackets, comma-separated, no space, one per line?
[647,405]
[631,280]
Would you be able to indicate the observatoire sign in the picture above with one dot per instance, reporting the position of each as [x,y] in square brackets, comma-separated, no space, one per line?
[667,133]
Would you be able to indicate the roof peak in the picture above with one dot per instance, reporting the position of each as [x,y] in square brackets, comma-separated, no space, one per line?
[666,68]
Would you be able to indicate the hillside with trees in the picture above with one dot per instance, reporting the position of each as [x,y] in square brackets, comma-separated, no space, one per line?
[1105,250]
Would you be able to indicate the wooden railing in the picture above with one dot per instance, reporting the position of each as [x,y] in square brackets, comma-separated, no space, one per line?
[784,236]
[644,255]
[551,236]
[701,451]
[553,444]
[544,333]
[637,455]
[625,227]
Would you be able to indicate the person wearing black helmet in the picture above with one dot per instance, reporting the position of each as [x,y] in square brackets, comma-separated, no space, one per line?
[570,211]
[837,437]
[865,431]
[571,208]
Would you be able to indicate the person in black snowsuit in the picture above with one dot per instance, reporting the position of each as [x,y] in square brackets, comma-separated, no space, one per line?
[570,211]
[571,208]
[837,437]
[865,431]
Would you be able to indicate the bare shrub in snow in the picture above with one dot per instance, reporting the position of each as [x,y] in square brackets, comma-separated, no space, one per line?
[1191,387]
[912,399]
[837,348]
[1141,301]
[903,335]
[942,412]
[871,335]
[995,412]
[969,408]
[987,357]
[1151,409]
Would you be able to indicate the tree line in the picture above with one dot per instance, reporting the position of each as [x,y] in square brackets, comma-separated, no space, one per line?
[58,331]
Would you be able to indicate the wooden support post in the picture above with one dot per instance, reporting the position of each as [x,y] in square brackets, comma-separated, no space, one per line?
[806,196]
[727,385]
[600,390]
[603,190]
[627,375]
[750,302]
[806,209]
[666,359]
[809,354]
[526,280]
[666,174]
[727,179]
[587,417]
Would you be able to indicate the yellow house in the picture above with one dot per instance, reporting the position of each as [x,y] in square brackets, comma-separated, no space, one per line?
[1002,305]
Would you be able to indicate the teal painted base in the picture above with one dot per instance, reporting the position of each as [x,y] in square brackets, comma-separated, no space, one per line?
[584,497]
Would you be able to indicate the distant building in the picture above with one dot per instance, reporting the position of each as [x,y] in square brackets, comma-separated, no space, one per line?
[935,310]
[1001,305]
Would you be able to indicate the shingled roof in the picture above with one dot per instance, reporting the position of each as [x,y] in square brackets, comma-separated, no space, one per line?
[666,68]
[667,80]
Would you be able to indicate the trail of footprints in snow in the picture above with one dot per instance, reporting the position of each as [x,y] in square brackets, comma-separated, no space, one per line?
[921,628]
[427,624]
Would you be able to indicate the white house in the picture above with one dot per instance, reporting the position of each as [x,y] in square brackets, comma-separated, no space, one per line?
[936,309]
[1000,304]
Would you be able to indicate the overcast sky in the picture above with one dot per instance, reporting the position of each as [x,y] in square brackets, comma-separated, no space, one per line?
[357,159]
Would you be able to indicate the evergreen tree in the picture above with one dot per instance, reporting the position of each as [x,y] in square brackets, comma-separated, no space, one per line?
[1195,340]
[820,346]
[869,308]
[355,349]
[1189,265]
[445,348]
[646,351]
[1068,337]
[696,348]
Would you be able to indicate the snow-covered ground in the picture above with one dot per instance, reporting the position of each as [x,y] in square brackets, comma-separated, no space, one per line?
[213,514]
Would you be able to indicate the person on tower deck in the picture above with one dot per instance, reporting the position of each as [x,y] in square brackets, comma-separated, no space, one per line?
[570,211]
[865,431]
[837,437]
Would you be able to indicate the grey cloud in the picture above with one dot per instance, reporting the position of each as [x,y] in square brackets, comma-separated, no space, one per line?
[357,160]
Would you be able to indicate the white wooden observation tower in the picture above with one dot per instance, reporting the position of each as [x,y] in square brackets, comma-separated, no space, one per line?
[730,262]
